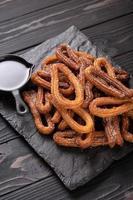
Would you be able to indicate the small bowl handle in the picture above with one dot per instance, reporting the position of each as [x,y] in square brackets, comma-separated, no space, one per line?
[21,107]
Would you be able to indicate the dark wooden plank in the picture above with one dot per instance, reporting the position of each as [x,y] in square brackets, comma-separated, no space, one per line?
[60,193]
[125,61]
[16,149]
[33,28]
[116,35]
[14,8]
[113,184]
[19,166]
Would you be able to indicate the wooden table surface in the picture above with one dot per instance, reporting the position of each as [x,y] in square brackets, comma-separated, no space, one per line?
[25,24]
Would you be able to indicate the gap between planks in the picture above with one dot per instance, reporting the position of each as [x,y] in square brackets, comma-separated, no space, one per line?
[22,32]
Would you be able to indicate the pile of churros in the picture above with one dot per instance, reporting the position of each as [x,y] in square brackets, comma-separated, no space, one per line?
[81,100]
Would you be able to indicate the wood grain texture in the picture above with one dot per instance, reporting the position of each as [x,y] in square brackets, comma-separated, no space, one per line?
[81,166]
[19,166]
[114,184]
[33,28]
[106,189]
[115,36]
[14,8]
[125,61]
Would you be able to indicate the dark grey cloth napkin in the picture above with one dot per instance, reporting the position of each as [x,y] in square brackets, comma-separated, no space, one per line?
[73,166]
